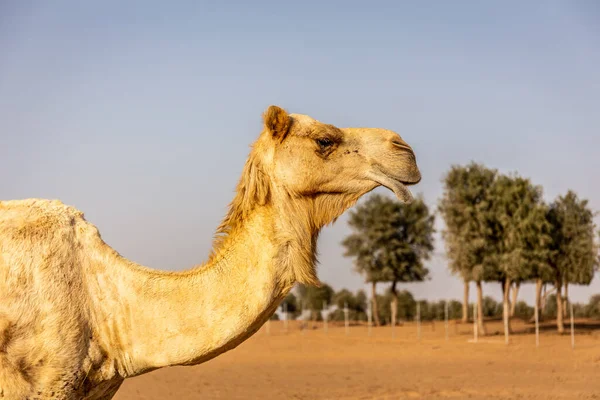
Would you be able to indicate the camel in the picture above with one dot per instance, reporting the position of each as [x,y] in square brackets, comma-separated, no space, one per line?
[77,318]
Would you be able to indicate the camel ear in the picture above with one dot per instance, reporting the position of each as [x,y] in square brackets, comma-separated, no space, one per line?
[277,122]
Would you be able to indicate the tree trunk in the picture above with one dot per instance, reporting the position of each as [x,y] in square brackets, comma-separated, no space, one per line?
[566,298]
[538,297]
[515,294]
[374,302]
[506,303]
[559,307]
[480,325]
[465,310]
[394,304]
[544,297]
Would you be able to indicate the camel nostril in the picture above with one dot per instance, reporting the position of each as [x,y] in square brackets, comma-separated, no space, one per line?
[402,146]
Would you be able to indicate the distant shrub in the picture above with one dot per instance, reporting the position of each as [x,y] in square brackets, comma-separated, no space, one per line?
[523,311]
[353,315]
[593,307]
[491,308]
[550,306]
[454,309]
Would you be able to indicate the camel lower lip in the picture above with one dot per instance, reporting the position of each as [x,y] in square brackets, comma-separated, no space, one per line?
[402,192]
[398,187]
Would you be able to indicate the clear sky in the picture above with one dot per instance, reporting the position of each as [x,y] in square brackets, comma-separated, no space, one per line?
[141,113]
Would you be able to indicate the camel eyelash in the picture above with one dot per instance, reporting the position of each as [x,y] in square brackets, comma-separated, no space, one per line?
[324,143]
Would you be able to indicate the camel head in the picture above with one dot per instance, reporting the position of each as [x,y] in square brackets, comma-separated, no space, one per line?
[297,157]
[306,157]
[311,157]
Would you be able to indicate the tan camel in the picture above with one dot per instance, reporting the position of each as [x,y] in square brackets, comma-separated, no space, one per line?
[76,318]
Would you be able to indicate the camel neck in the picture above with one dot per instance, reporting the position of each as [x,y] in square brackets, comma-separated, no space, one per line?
[161,319]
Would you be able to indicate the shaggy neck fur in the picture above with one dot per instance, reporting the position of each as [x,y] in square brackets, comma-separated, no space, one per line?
[296,220]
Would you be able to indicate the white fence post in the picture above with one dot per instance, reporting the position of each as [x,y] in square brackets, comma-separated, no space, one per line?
[572,326]
[370,316]
[324,316]
[418,320]
[301,317]
[505,316]
[475,331]
[393,318]
[537,324]
[346,317]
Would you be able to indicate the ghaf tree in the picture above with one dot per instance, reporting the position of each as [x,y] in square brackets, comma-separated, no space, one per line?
[390,242]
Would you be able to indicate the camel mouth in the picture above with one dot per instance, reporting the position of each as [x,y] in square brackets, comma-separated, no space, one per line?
[401,191]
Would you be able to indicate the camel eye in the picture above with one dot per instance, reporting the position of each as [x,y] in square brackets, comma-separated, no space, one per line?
[324,143]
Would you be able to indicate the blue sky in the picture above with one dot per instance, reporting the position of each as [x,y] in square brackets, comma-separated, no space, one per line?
[141,114]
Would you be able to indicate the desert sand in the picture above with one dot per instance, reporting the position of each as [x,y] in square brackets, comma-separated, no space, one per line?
[312,364]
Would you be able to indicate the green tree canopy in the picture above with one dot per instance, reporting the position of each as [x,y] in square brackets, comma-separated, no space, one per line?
[464,205]
[517,230]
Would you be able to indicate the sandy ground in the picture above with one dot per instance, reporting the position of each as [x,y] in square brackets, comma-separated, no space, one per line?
[309,364]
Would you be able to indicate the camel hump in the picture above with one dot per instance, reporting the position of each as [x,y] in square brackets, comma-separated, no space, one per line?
[31,219]
[40,205]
